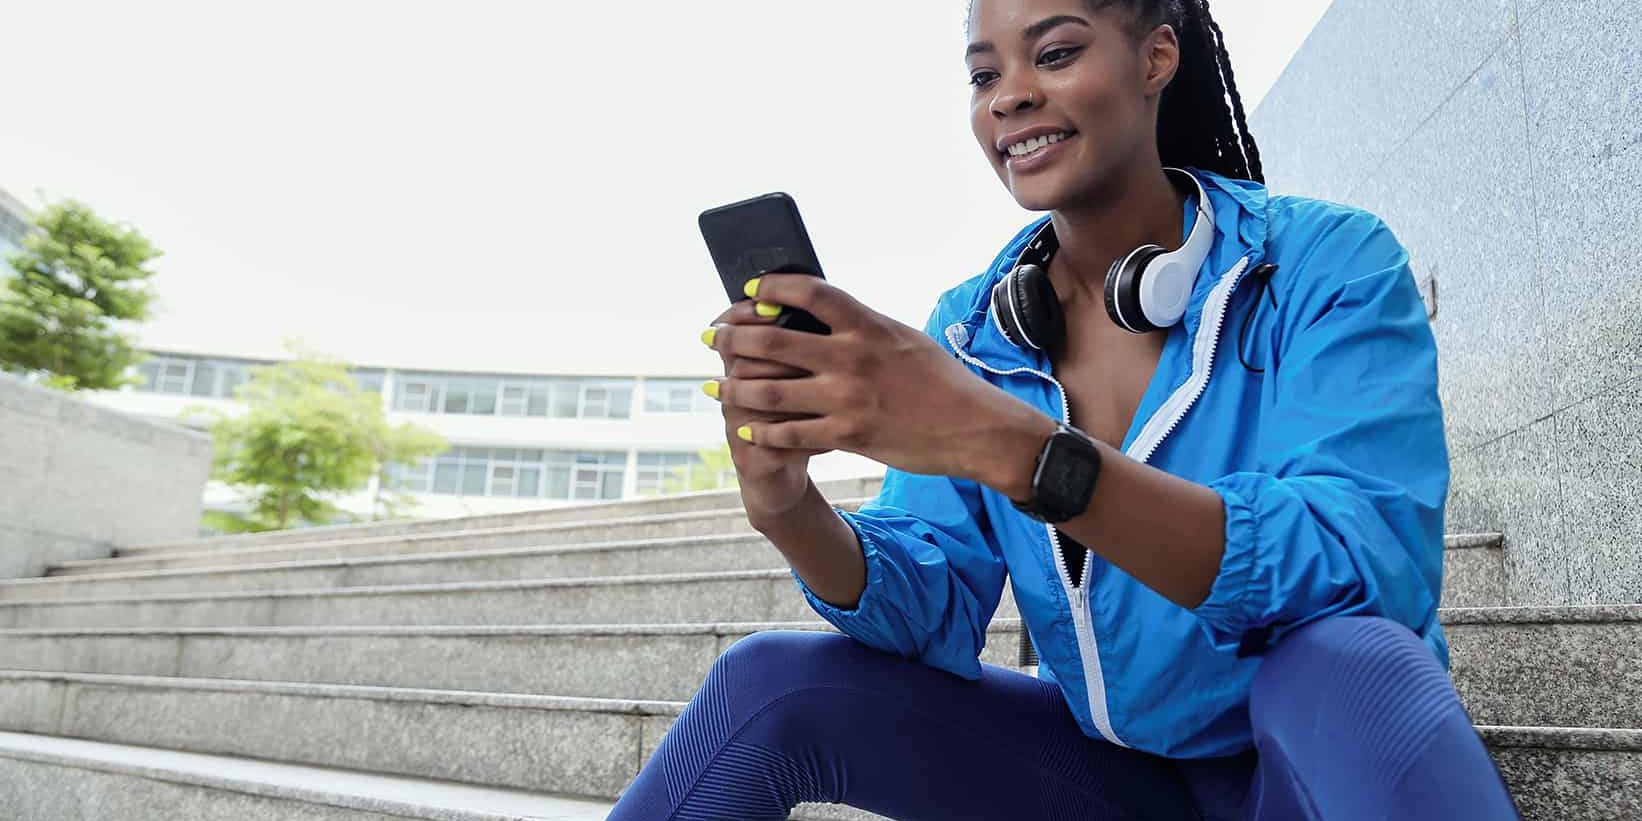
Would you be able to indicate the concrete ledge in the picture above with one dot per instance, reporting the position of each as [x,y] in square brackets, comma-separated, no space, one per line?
[76,780]
[77,479]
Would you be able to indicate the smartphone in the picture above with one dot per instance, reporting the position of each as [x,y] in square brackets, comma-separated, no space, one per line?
[758,236]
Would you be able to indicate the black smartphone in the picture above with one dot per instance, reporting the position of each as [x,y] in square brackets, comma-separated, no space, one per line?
[758,236]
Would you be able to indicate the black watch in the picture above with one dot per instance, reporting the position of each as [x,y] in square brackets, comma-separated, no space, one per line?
[1064,478]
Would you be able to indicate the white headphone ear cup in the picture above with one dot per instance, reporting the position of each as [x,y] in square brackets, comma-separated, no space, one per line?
[1164,290]
[1123,283]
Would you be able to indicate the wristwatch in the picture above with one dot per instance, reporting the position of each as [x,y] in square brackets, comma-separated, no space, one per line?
[1064,478]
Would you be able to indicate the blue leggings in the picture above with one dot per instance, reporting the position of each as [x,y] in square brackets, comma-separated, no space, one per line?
[1353,719]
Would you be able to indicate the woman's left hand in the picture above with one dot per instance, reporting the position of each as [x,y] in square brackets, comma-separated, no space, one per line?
[875,387]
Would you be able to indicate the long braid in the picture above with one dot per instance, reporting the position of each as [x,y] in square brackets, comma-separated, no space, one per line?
[1251,152]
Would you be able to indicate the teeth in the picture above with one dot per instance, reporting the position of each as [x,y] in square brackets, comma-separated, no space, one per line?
[1036,144]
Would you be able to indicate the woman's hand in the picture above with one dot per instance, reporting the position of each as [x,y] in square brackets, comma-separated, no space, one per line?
[772,481]
[874,387]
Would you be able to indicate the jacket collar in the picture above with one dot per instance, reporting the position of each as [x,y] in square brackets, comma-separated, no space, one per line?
[1240,231]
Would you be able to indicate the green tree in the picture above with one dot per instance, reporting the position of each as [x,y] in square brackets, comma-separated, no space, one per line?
[307,431]
[75,278]
[702,476]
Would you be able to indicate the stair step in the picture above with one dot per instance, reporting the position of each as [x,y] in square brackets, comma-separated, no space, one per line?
[1552,666]
[694,554]
[603,512]
[1516,666]
[686,525]
[1471,577]
[655,662]
[67,779]
[751,595]
[587,746]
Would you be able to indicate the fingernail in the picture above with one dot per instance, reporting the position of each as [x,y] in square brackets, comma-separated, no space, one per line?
[707,336]
[751,288]
[710,387]
[769,310]
[745,432]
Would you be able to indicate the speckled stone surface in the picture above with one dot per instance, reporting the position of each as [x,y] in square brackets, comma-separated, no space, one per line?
[1573,786]
[34,790]
[1558,674]
[1512,486]
[1601,441]
[1333,118]
[1474,576]
[65,779]
[576,746]
[1582,67]
[1458,194]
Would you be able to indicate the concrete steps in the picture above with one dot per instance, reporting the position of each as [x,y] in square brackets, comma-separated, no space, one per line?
[613,514]
[548,653]
[586,747]
[663,527]
[63,779]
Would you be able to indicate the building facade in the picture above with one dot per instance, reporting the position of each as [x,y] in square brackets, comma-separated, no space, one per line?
[518,441]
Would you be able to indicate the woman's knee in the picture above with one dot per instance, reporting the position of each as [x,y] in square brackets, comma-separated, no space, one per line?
[767,665]
[1345,666]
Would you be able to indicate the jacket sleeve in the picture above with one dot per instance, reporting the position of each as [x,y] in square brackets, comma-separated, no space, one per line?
[1343,513]
[935,572]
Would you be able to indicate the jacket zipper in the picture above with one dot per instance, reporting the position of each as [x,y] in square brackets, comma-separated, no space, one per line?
[1077,595]
[1162,423]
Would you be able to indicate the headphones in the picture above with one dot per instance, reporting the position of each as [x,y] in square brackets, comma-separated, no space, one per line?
[1146,289]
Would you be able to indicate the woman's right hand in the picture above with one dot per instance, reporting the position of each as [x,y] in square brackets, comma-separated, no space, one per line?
[773,480]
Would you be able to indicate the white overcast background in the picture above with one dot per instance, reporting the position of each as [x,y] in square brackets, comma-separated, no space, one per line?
[513,186]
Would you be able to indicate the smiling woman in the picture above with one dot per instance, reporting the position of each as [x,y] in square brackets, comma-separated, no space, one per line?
[1230,566]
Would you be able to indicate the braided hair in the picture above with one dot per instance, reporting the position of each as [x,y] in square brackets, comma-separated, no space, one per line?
[1200,120]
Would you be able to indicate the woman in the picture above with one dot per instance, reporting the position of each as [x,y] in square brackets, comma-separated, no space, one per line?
[1255,462]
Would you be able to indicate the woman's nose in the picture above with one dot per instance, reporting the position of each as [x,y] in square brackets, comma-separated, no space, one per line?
[1013,101]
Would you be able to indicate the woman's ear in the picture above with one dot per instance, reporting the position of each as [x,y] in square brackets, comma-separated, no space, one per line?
[1161,53]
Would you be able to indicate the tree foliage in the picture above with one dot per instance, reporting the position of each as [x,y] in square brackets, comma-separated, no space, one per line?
[75,278]
[307,433]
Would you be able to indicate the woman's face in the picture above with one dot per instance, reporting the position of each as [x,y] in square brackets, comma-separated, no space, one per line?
[1062,95]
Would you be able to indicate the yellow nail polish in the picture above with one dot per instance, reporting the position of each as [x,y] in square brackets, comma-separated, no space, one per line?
[751,288]
[769,310]
[707,336]
[710,387]
[745,432]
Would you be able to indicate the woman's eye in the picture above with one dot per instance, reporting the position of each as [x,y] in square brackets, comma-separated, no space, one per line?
[981,79]
[1056,56]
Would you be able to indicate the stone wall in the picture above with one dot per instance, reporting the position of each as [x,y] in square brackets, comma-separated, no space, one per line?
[76,479]
[1502,141]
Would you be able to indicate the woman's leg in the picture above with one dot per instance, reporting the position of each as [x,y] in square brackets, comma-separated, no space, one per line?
[1355,719]
[789,717]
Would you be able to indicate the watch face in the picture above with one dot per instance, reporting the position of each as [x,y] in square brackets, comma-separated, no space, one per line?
[1067,476]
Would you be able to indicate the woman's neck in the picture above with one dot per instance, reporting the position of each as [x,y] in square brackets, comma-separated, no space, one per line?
[1138,209]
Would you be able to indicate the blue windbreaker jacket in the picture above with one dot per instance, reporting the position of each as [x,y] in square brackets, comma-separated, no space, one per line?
[1332,466]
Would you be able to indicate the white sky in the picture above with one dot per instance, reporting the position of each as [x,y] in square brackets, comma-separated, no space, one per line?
[513,186]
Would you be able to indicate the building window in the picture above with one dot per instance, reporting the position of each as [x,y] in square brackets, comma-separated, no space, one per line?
[676,396]
[482,396]
[678,472]
[520,473]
